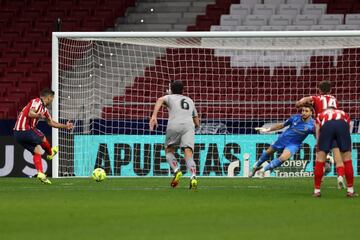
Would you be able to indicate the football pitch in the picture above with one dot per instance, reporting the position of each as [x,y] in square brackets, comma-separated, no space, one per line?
[147,208]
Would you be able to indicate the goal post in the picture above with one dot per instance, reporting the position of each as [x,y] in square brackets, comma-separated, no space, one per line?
[107,83]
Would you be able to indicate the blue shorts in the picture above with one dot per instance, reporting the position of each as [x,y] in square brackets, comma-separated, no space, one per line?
[280,146]
[29,139]
[335,130]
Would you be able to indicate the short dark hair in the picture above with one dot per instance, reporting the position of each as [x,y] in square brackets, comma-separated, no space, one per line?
[308,105]
[46,92]
[177,87]
[325,87]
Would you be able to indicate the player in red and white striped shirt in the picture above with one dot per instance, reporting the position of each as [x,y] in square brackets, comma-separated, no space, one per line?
[32,139]
[334,124]
[322,102]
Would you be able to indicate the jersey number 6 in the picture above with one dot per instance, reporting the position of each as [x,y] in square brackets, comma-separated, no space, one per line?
[184,104]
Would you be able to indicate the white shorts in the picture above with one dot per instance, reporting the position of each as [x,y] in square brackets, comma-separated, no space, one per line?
[184,136]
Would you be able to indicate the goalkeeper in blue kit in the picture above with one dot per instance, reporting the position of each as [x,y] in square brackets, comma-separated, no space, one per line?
[289,142]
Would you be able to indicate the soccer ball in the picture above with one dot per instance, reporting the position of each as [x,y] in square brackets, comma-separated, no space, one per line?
[98,174]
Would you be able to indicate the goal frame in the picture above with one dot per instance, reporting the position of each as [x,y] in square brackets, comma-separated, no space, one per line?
[215,34]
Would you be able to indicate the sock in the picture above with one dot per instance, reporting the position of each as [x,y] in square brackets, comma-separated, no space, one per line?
[191,167]
[170,158]
[273,164]
[262,159]
[37,162]
[340,171]
[318,173]
[349,173]
[47,147]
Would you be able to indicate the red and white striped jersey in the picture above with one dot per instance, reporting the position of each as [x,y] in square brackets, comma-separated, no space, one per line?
[323,102]
[332,114]
[24,122]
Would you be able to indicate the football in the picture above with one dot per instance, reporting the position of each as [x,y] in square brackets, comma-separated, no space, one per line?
[99,174]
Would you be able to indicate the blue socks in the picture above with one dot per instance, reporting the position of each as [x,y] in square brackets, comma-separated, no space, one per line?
[262,159]
[273,164]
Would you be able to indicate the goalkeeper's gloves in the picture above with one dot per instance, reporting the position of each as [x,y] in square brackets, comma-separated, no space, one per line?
[262,129]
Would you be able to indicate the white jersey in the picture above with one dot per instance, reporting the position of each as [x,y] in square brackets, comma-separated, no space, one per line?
[181,110]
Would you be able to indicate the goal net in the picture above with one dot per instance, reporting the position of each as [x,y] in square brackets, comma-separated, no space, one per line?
[107,84]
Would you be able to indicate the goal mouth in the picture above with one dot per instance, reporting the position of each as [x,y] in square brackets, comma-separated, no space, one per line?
[107,84]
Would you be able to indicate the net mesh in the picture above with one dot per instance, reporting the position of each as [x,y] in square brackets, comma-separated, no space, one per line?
[108,87]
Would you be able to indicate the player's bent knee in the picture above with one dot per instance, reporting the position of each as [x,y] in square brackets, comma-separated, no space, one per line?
[37,150]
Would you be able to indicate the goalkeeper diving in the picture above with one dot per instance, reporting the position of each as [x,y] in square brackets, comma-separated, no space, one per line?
[289,142]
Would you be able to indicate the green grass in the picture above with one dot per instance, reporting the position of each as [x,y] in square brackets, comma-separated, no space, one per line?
[148,208]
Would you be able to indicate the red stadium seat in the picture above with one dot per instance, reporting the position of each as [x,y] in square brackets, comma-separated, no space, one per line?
[22,23]
[31,13]
[8,12]
[6,62]
[80,12]
[12,52]
[56,13]
[16,72]
[35,33]
[45,23]
[39,52]
[40,4]
[24,44]
[12,33]
[89,3]
[29,63]
[65,3]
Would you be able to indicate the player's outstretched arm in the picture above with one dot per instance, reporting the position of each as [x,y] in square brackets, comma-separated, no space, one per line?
[274,127]
[54,124]
[303,101]
[153,120]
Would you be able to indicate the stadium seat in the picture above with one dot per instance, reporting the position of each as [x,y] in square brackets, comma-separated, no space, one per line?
[289,9]
[40,4]
[347,27]
[240,9]
[6,62]
[22,23]
[306,20]
[247,28]
[56,13]
[11,33]
[314,9]
[35,33]
[297,2]
[275,2]
[281,20]
[222,28]
[352,19]
[24,44]
[32,13]
[8,12]
[322,27]
[28,63]
[230,20]
[251,2]
[331,19]
[12,52]
[16,72]
[297,28]
[272,28]
[244,60]
[264,9]
[66,4]
[79,12]
[255,20]
[93,23]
